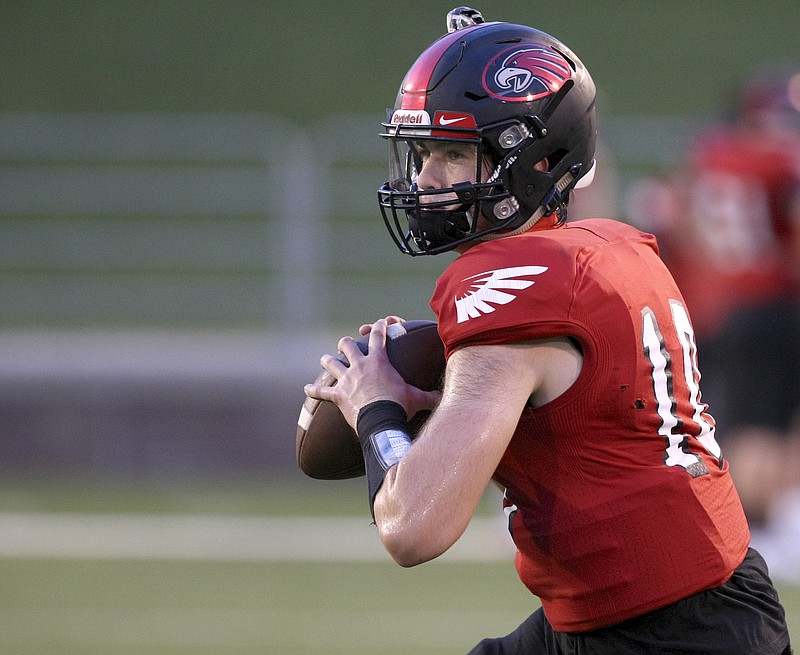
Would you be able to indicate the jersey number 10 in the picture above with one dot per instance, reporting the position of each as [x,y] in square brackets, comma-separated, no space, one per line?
[666,388]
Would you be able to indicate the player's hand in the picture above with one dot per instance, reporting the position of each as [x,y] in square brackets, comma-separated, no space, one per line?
[369,378]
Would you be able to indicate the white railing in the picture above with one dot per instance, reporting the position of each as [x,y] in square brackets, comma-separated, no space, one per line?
[217,221]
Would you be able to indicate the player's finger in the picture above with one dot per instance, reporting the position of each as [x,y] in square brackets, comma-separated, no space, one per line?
[319,392]
[391,319]
[333,365]
[349,348]
[377,336]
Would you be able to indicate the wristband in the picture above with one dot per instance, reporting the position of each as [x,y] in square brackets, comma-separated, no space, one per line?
[383,433]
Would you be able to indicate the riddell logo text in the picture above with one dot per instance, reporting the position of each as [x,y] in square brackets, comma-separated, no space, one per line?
[411,118]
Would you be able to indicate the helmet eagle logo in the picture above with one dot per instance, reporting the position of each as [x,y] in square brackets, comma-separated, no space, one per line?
[525,73]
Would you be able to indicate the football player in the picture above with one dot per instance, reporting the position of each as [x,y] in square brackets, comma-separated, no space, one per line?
[571,377]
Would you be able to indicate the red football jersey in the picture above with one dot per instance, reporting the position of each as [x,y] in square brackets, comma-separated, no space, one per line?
[619,500]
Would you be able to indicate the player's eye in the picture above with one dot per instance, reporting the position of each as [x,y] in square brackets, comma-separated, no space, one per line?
[458,152]
[421,150]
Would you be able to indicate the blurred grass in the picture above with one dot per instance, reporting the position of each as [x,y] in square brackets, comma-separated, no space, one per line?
[156,608]
[93,607]
[50,606]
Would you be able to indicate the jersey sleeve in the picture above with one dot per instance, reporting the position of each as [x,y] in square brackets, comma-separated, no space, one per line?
[495,294]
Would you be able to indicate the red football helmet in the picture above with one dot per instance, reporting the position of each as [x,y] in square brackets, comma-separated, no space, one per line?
[521,96]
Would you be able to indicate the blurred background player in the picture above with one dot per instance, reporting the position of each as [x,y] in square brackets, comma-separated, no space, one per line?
[731,239]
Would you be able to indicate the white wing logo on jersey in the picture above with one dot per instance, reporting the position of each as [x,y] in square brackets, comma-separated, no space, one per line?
[486,290]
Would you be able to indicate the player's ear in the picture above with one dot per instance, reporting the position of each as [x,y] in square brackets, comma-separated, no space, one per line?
[542,165]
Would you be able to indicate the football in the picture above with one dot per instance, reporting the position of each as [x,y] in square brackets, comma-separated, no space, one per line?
[327,447]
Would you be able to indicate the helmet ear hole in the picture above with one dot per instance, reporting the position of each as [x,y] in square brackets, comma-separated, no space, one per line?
[554,159]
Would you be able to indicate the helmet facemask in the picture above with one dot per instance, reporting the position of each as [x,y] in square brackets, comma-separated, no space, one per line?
[495,205]
[440,219]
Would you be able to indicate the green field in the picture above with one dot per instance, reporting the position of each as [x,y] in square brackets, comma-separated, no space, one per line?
[94,607]
[157,607]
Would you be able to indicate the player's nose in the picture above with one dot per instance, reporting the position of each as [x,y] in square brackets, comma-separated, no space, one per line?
[431,177]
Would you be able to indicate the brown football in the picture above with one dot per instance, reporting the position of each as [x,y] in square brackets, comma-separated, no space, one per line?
[327,447]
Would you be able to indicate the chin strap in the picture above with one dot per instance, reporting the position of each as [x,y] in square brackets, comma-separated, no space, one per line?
[551,203]
[527,225]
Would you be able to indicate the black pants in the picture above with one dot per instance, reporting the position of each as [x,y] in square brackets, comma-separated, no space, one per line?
[742,617]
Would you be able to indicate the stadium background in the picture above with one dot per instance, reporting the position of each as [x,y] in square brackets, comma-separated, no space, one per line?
[187,220]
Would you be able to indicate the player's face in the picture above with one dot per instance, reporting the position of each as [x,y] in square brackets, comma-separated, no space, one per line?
[444,164]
